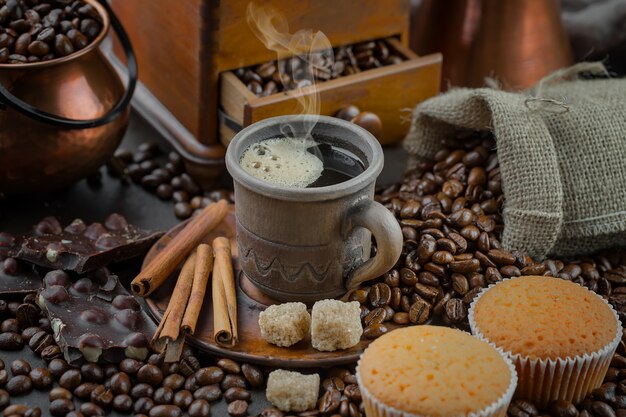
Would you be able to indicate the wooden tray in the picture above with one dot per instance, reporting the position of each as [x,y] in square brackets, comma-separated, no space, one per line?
[251,347]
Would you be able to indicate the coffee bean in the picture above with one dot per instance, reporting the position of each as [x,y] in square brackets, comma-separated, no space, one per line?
[376,316]
[428,292]
[229,366]
[91,409]
[189,365]
[374,331]
[182,210]
[4,377]
[238,408]
[271,412]
[11,341]
[130,366]
[85,389]
[41,378]
[5,399]
[419,311]
[253,375]
[231,380]
[19,385]
[191,384]
[183,399]
[163,395]
[465,266]
[70,379]
[62,45]
[353,392]
[59,393]
[101,396]
[57,367]
[329,402]
[208,376]
[122,403]
[380,295]
[522,408]
[236,393]
[29,332]
[602,409]
[165,411]
[143,405]
[606,392]
[150,374]
[15,410]
[92,372]
[120,383]
[174,381]
[209,393]
[141,390]
[199,408]
[20,367]
[39,341]
[51,352]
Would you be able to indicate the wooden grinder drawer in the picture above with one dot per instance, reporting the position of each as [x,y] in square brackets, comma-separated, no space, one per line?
[390,92]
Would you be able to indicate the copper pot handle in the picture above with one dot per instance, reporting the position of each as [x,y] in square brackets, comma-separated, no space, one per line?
[18,105]
[386,230]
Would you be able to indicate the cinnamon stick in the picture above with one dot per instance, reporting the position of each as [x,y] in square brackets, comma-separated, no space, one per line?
[169,327]
[178,248]
[203,267]
[224,295]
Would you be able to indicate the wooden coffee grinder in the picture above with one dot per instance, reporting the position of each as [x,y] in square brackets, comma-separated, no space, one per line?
[188,49]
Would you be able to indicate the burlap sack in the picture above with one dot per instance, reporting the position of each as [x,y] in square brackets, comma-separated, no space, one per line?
[562,152]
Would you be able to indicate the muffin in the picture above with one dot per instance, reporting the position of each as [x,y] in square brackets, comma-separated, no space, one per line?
[560,336]
[436,372]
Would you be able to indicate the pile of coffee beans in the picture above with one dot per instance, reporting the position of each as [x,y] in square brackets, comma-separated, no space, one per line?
[297,72]
[152,388]
[450,214]
[163,175]
[34,30]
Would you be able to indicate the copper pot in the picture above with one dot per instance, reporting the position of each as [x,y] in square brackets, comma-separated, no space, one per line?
[62,119]
[517,42]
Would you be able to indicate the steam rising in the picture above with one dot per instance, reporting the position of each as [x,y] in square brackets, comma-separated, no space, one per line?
[312,48]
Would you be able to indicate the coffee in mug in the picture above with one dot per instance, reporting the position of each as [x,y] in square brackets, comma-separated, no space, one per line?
[300,162]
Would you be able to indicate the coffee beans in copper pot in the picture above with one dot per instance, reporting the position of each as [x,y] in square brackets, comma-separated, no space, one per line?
[40,31]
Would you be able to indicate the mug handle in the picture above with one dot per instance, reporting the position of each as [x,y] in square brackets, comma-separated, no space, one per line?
[386,230]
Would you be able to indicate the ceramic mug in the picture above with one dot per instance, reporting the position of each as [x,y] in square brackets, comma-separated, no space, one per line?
[307,244]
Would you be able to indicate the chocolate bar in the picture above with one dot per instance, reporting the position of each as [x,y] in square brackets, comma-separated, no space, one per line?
[80,247]
[16,277]
[94,318]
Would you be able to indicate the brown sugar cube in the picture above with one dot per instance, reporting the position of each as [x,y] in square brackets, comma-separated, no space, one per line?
[335,325]
[285,324]
[292,391]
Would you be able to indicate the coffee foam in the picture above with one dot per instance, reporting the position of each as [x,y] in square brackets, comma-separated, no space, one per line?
[282,161]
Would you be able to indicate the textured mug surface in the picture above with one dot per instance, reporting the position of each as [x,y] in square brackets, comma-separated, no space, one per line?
[306,244]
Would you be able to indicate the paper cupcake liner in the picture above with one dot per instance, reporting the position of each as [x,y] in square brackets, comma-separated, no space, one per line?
[376,408]
[545,380]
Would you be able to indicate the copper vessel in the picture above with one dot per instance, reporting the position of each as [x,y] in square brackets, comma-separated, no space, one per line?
[518,42]
[62,119]
[514,42]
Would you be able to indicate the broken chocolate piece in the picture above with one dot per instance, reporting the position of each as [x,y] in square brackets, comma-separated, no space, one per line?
[80,247]
[94,318]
